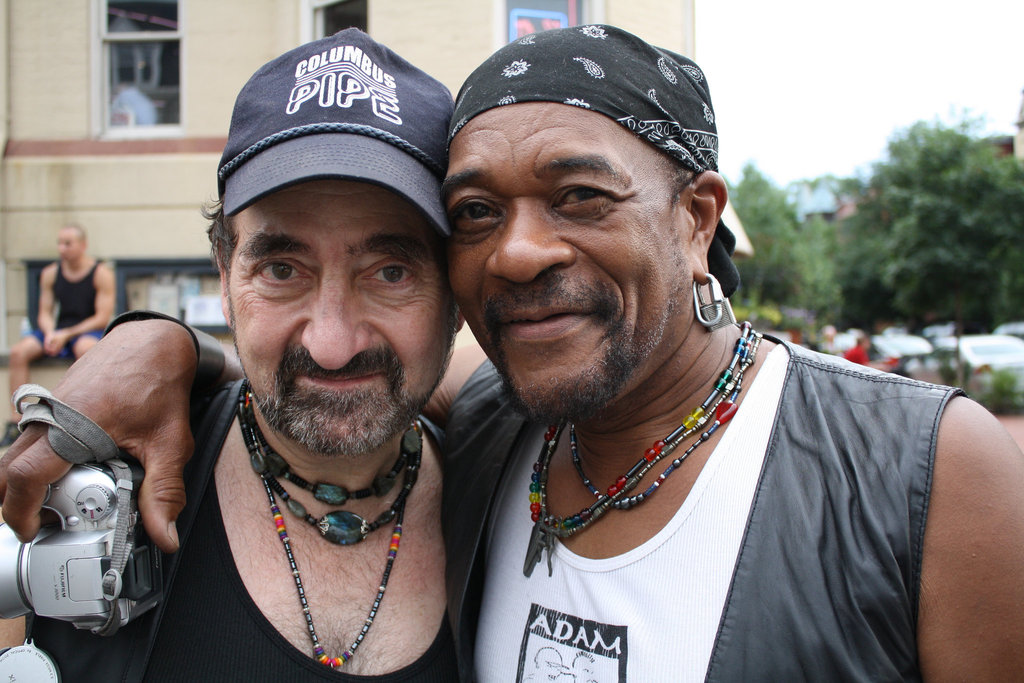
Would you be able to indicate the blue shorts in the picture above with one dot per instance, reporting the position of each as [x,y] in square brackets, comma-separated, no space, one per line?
[66,352]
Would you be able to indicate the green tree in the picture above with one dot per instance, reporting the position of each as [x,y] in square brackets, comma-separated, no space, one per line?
[861,260]
[815,251]
[791,266]
[938,229]
[947,213]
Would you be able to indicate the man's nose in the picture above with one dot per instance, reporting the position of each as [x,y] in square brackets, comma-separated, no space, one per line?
[336,329]
[528,245]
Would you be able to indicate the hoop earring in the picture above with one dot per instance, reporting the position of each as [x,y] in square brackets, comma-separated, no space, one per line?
[715,313]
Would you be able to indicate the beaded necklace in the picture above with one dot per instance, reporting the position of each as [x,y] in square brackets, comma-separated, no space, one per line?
[253,437]
[720,405]
[267,460]
[337,526]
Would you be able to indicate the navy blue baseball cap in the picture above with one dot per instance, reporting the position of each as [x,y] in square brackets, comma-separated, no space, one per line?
[343,107]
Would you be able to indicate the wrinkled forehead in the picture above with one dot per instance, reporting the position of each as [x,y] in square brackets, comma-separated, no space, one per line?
[350,216]
[544,141]
[556,128]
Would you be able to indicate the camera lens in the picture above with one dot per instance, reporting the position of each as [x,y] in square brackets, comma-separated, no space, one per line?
[13,566]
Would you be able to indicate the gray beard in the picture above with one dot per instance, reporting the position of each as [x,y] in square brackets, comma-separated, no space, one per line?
[592,391]
[368,417]
[332,423]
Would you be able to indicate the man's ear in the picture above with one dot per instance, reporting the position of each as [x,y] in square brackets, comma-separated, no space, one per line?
[708,195]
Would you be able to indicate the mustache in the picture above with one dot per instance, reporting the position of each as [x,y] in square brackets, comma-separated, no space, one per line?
[598,300]
[297,362]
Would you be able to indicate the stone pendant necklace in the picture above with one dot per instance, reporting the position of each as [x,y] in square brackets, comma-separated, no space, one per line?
[337,526]
[260,451]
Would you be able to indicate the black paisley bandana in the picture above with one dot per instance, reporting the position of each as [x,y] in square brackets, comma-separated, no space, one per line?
[659,95]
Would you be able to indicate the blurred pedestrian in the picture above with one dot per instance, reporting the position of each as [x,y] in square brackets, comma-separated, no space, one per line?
[76,300]
[858,353]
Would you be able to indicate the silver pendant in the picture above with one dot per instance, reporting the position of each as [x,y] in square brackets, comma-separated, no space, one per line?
[343,527]
[27,663]
[540,540]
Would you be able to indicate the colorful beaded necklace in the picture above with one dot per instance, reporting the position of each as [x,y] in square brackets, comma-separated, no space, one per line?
[337,526]
[720,405]
[253,437]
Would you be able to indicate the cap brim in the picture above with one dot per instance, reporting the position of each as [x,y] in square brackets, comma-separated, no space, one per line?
[336,156]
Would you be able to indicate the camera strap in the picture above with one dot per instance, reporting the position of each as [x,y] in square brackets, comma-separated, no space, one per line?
[113,579]
[72,435]
[79,440]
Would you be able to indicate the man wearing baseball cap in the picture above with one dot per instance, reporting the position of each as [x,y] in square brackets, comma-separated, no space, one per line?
[311,540]
[639,488]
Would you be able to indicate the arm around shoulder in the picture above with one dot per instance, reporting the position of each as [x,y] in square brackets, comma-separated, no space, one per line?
[971,613]
[465,360]
[135,383]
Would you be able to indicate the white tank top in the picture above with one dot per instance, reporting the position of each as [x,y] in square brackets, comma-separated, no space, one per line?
[650,614]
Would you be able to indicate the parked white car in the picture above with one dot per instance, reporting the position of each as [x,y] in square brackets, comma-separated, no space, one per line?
[983,353]
[1015,328]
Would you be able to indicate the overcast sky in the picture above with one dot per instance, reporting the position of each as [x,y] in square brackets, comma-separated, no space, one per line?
[809,87]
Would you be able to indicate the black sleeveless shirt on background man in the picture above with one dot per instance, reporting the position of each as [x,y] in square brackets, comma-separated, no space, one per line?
[77,300]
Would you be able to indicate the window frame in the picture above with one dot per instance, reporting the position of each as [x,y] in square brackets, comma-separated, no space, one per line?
[311,20]
[101,80]
[592,11]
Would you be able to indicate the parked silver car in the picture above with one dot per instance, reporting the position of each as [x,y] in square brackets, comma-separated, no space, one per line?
[982,353]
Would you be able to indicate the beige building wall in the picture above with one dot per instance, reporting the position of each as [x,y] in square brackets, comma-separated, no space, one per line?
[666,24]
[140,198]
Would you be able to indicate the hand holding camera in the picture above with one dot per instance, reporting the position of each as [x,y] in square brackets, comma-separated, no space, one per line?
[66,571]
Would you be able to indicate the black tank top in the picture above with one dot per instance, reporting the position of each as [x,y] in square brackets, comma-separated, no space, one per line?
[77,300]
[213,631]
[208,628]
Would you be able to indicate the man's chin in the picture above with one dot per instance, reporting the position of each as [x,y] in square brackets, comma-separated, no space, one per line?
[331,423]
[574,399]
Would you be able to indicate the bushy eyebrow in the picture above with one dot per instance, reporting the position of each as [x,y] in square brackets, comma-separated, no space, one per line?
[589,162]
[263,244]
[457,180]
[400,246]
[586,162]
[403,247]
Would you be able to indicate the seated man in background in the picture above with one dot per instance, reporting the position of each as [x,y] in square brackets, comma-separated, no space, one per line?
[328,238]
[76,301]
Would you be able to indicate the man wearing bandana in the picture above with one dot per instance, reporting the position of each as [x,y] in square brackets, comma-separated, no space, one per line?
[638,488]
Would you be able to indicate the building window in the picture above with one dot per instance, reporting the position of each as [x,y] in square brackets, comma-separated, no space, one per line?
[142,55]
[530,16]
[187,289]
[331,16]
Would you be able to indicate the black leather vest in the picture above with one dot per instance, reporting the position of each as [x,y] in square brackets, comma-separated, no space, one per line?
[827,581]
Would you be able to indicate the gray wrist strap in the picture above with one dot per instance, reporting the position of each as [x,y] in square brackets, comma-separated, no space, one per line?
[79,440]
[113,580]
[72,435]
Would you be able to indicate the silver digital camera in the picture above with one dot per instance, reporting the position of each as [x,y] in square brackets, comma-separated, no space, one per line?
[59,574]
